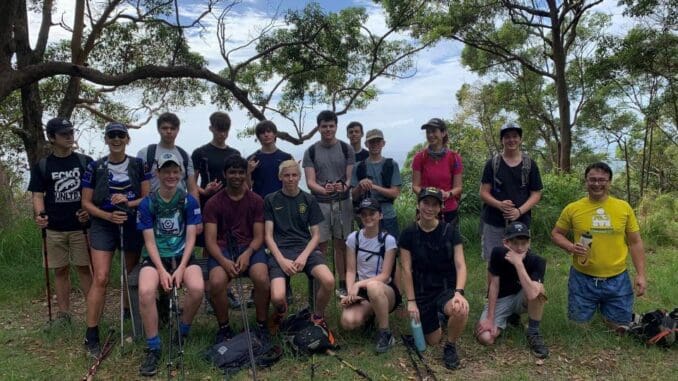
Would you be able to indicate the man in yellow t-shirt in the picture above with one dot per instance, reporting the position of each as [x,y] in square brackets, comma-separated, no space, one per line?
[605,230]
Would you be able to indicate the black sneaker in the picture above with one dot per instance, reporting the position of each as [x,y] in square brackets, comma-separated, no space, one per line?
[232,300]
[385,341]
[93,348]
[513,320]
[450,356]
[223,334]
[537,346]
[150,365]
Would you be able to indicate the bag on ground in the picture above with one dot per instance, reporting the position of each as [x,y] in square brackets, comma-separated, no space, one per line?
[233,355]
[656,327]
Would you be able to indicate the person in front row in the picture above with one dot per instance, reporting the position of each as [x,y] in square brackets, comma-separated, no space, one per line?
[371,255]
[434,274]
[292,235]
[516,287]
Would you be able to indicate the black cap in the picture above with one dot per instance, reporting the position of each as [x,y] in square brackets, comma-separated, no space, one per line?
[430,192]
[369,203]
[508,127]
[435,122]
[516,229]
[56,125]
[115,126]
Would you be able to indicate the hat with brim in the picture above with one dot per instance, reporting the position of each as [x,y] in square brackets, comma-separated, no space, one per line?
[115,126]
[58,125]
[168,158]
[430,192]
[510,127]
[517,229]
[374,134]
[434,123]
[369,203]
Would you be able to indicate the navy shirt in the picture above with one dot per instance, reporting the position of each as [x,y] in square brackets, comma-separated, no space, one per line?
[265,176]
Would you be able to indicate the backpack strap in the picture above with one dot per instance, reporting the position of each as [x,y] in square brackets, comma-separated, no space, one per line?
[184,157]
[344,150]
[495,168]
[527,166]
[42,167]
[150,155]
[100,181]
[387,173]
[361,170]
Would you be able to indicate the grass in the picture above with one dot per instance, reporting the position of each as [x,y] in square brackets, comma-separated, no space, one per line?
[28,352]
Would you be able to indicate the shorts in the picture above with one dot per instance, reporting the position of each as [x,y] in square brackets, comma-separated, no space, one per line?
[105,236]
[341,222]
[614,297]
[398,298]
[315,259]
[505,307]
[491,237]
[66,247]
[430,307]
[258,256]
[169,263]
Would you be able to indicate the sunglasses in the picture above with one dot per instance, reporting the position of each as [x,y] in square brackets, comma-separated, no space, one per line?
[116,134]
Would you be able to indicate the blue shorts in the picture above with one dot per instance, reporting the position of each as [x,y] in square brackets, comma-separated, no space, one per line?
[258,256]
[614,297]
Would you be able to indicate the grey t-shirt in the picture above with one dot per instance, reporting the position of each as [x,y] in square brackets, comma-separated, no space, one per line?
[373,171]
[155,183]
[330,165]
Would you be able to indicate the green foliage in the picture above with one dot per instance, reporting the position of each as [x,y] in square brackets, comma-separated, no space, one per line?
[559,190]
[658,219]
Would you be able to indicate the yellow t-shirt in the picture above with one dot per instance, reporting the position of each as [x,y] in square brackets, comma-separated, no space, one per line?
[608,222]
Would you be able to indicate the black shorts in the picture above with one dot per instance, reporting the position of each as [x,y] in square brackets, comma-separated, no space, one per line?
[430,305]
[169,263]
[315,259]
[398,298]
[105,235]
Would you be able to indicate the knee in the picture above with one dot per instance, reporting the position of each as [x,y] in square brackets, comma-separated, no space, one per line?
[349,322]
[146,294]
[375,289]
[486,338]
[100,280]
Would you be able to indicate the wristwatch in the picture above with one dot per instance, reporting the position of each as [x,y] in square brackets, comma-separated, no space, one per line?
[460,291]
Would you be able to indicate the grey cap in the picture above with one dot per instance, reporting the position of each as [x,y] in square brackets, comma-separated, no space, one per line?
[167,158]
[510,127]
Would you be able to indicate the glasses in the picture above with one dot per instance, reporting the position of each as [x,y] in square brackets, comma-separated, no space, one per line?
[116,134]
[597,180]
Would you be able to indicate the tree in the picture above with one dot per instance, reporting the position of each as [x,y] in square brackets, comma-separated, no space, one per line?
[312,57]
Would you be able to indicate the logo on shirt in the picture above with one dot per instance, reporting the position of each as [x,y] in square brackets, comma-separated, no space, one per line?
[303,208]
[600,221]
[66,185]
[169,225]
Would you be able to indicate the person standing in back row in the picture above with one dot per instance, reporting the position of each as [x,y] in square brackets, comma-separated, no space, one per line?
[354,133]
[510,187]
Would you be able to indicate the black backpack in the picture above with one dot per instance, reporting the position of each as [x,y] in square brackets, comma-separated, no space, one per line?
[524,175]
[344,149]
[381,238]
[656,327]
[233,355]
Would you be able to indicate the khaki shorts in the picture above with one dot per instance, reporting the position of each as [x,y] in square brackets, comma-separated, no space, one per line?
[345,219]
[64,248]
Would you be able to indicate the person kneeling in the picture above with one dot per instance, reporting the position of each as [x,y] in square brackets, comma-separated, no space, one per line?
[168,219]
[371,254]
[516,277]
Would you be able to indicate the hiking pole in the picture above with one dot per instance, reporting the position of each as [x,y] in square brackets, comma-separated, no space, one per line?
[233,247]
[43,214]
[89,249]
[407,341]
[174,320]
[105,351]
[124,285]
[429,370]
[361,373]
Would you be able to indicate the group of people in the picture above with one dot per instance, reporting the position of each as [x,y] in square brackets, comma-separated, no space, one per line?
[251,218]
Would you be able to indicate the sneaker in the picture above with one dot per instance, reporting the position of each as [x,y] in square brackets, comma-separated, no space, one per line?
[537,346]
[385,341]
[224,334]
[232,300]
[513,320]
[275,321]
[262,333]
[150,365]
[450,356]
[93,348]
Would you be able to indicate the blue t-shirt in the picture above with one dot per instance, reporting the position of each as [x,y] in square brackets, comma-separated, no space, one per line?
[118,181]
[373,171]
[168,222]
[265,176]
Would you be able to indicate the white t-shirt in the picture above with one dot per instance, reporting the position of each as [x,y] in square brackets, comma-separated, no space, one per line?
[368,262]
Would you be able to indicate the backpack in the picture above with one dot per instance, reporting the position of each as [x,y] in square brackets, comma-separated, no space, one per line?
[386,175]
[150,158]
[525,174]
[655,328]
[344,149]
[42,166]
[157,209]
[313,339]
[135,171]
[233,355]
[381,238]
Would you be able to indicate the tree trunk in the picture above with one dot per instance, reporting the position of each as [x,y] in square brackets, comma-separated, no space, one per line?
[560,67]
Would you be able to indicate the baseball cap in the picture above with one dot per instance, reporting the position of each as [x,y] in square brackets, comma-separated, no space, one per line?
[374,134]
[508,127]
[369,203]
[115,126]
[430,192]
[166,158]
[435,122]
[57,125]
[516,229]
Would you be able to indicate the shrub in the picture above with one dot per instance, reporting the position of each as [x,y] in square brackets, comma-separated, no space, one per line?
[559,190]
[657,216]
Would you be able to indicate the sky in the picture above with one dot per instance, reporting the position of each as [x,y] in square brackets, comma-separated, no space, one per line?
[402,106]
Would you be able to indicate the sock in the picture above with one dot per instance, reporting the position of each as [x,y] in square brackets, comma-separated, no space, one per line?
[184,328]
[92,334]
[153,343]
[342,284]
[533,327]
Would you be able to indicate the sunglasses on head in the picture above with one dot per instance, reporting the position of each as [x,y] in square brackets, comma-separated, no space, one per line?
[116,134]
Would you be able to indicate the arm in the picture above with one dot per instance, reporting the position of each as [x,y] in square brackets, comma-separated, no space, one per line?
[406,263]
[311,182]
[285,264]
[534,198]
[456,187]
[349,171]
[391,192]
[257,239]
[531,287]
[312,244]
[145,190]
[351,271]
[416,181]
[116,217]
[38,199]
[192,187]
[558,237]
[486,196]
[638,258]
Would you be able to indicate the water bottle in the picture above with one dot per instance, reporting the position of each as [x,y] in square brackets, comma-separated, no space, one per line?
[586,239]
[418,335]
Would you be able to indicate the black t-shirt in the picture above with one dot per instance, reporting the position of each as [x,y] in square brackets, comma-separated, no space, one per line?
[208,161]
[509,283]
[432,256]
[62,187]
[362,155]
[510,189]
[292,217]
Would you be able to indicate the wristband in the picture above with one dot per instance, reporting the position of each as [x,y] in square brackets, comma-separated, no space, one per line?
[460,291]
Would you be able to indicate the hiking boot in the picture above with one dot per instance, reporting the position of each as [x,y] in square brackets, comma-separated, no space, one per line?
[232,300]
[275,321]
[150,365]
[537,346]
[385,341]
[224,334]
[93,348]
[450,356]
[513,320]
[262,333]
